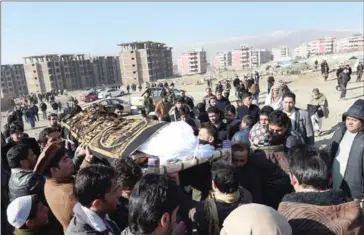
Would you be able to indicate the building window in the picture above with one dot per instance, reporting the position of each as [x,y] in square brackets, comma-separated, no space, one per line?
[134,72]
[34,71]
[131,51]
[132,58]
[133,65]
[35,78]
[57,70]
[33,64]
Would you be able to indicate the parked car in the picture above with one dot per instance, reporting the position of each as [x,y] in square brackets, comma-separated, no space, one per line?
[89,96]
[155,94]
[110,93]
[109,104]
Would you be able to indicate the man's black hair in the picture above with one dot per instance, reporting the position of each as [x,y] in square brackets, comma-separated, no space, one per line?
[128,173]
[43,135]
[15,127]
[231,109]
[184,110]
[153,196]
[279,118]
[54,162]
[180,100]
[249,120]
[52,115]
[118,106]
[311,167]
[224,177]
[93,183]
[16,154]
[201,107]
[266,110]
[213,110]
[289,95]
[211,129]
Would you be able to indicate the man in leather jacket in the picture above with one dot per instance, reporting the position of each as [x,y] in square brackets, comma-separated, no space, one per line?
[23,181]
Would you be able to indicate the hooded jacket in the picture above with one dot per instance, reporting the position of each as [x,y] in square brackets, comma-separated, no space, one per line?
[322,213]
[276,105]
[353,180]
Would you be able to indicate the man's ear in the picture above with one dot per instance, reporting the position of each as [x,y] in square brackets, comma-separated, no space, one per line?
[96,203]
[293,179]
[165,220]
[29,223]
[211,140]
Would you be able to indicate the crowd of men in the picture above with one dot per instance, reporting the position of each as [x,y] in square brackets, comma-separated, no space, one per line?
[277,181]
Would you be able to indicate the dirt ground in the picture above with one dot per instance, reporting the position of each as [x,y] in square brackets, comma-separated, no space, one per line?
[301,85]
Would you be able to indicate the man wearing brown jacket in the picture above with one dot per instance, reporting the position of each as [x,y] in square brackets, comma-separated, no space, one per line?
[162,108]
[315,208]
[57,167]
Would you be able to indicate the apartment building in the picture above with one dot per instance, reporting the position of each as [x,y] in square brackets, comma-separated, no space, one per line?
[145,61]
[193,62]
[106,70]
[301,51]
[281,52]
[354,43]
[13,82]
[223,60]
[322,46]
[45,73]
[241,57]
[259,57]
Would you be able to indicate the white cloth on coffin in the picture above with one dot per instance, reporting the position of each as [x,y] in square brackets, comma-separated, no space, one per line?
[176,141]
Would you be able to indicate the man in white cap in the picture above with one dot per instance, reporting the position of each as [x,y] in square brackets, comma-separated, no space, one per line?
[27,215]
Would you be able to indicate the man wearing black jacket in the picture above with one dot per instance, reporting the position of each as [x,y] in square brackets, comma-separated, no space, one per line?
[247,108]
[215,118]
[23,181]
[347,152]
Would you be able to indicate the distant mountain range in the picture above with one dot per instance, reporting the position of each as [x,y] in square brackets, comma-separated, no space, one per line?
[268,40]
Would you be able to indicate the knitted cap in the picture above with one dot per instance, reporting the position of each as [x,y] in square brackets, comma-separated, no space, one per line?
[19,210]
[260,135]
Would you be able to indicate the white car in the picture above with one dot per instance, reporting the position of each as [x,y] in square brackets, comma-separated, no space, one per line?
[110,93]
[109,104]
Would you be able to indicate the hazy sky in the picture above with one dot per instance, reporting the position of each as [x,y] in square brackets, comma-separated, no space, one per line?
[96,28]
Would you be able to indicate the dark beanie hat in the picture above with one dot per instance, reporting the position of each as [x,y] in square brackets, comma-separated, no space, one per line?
[356,110]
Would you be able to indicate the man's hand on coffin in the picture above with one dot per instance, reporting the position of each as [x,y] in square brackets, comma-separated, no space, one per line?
[81,150]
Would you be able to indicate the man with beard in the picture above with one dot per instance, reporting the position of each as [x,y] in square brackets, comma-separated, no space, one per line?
[310,174]
[280,128]
[247,108]
[215,118]
[300,121]
[162,108]
[153,206]
[53,122]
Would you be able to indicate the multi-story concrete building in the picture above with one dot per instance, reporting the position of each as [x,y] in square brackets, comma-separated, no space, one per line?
[145,61]
[354,43]
[241,57]
[280,53]
[322,46]
[106,70]
[301,51]
[223,60]
[193,62]
[259,57]
[45,73]
[13,83]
